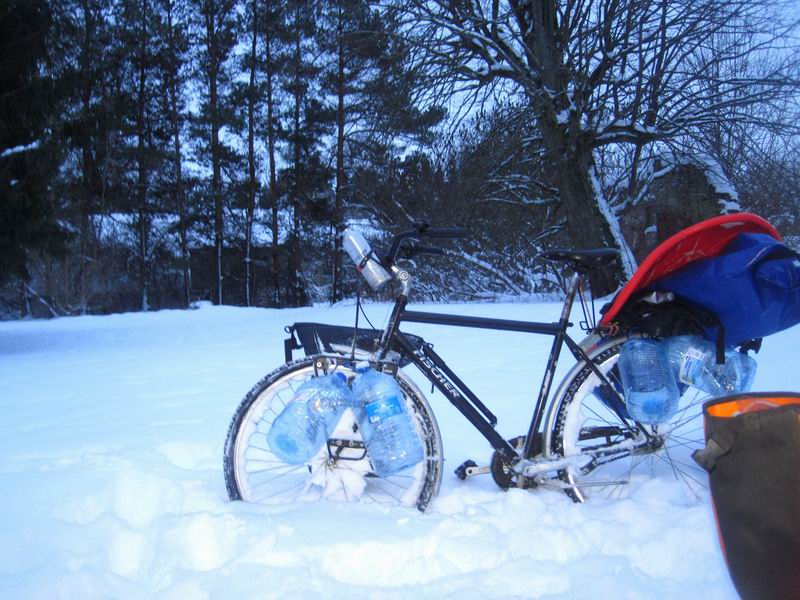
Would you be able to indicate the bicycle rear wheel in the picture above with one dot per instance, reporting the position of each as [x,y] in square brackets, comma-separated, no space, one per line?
[612,454]
[340,470]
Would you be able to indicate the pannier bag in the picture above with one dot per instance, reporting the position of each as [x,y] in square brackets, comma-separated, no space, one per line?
[752,455]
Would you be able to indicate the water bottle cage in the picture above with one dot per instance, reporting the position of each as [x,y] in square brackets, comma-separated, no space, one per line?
[337,449]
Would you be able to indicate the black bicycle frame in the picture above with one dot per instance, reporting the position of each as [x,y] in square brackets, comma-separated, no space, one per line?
[443,378]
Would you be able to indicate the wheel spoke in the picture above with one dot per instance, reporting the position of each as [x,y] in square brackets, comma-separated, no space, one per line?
[374,482]
[683,474]
[684,442]
[594,412]
[281,465]
[387,480]
[286,472]
[696,430]
[259,448]
[297,485]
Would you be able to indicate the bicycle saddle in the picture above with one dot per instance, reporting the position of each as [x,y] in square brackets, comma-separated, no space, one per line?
[595,257]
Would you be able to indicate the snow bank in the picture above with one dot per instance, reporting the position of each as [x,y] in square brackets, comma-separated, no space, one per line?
[112,483]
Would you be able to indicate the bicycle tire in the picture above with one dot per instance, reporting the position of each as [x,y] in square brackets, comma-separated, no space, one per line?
[580,421]
[247,456]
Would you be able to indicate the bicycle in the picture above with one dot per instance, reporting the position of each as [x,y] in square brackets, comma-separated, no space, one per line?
[580,441]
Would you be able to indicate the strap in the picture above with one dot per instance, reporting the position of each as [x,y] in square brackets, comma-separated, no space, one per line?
[708,318]
[720,343]
[290,344]
[717,446]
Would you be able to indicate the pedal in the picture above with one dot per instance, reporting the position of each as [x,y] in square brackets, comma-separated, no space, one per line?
[469,468]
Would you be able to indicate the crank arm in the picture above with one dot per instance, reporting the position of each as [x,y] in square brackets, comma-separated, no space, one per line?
[470,469]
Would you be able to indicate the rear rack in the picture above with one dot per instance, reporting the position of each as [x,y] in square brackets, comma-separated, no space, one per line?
[318,338]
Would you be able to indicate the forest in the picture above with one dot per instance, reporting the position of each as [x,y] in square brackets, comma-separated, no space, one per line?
[157,153]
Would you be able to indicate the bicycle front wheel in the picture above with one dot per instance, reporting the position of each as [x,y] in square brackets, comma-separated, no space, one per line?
[341,469]
[608,453]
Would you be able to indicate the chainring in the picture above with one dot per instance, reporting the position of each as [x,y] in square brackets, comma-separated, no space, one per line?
[502,473]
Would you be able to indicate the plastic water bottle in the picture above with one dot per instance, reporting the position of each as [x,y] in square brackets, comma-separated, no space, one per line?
[651,392]
[364,258]
[303,427]
[694,362]
[386,427]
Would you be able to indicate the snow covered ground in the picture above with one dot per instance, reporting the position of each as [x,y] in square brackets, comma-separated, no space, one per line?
[112,486]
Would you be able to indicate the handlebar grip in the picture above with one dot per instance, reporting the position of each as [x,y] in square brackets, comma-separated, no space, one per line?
[422,249]
[413,248]
[445,232]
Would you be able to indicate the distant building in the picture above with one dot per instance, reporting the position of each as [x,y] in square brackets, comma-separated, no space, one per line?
[677,197]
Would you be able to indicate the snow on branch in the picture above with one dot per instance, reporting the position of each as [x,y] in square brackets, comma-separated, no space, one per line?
[20,149]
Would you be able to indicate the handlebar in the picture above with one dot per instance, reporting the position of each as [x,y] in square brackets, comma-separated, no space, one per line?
[422,229]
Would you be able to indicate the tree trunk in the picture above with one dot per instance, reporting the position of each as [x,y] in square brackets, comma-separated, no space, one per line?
[251,157]
[572,168]
[216,167]
[294,257]
[141,159]
[83,213]
[25,296]
[273,179]
[87,160]
[338,214]
[178,190]
[568,159]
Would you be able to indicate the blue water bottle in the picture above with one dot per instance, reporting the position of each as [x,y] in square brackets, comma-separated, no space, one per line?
[651,390]
[303,427]
[386,427]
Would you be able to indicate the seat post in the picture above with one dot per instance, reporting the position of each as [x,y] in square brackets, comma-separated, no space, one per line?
[572,290]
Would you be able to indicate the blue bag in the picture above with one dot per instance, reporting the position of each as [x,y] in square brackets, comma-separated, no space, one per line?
[752,286]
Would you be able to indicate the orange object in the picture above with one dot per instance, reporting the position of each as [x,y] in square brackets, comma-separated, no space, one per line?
[749,403]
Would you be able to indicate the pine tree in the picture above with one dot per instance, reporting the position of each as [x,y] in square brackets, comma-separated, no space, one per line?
[306,174]
[29,155]
[248,92]
[174,75]
[90,135]
[370,87]
[274,62]
[217,37]
[145,136]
